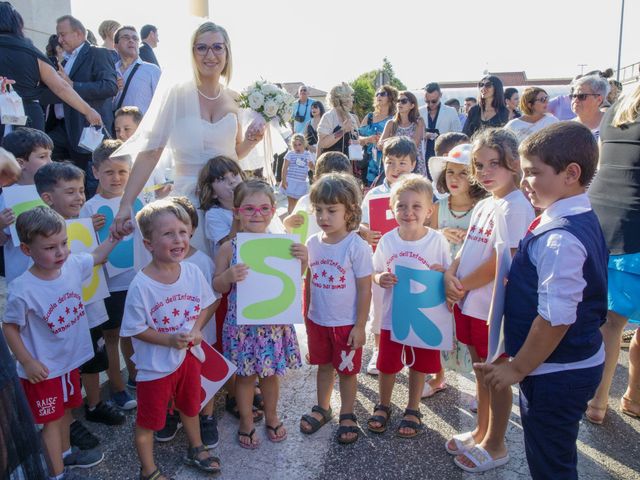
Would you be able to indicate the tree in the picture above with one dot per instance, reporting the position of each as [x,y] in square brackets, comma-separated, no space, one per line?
[365,86]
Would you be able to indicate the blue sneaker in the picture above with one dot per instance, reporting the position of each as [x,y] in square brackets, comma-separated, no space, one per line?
[132,384]
[124,401]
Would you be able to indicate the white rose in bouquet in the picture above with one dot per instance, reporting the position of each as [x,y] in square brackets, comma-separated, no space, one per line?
[256,100]
[269,89]
[286,112]
[270,108]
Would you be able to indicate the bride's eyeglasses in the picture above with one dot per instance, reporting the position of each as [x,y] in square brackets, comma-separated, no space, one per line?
[202,49]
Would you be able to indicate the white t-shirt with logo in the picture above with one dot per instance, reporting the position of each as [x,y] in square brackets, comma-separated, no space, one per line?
[119,282]
[166,308]
[392,250]
[333,270]
[479,244]
[208,269]
[52,317]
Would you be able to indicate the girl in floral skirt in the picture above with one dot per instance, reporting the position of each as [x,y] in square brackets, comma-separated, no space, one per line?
[264,352]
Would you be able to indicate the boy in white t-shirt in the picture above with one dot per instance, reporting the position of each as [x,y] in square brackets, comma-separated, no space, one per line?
[32,149]
[168,303]
[399,156]
[46,327]
[112,175]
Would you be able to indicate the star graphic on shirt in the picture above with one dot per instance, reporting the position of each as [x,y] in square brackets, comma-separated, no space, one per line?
[165,320]
[154,320]
[481,231]
[51,325]
[75,310]
[324,273]
[186,313]
[67,311]
[331,278]
[342,279]
[315,276]
[473,228]
[487,232]
[196,308]
[60,319]
[175,312]
[80,305]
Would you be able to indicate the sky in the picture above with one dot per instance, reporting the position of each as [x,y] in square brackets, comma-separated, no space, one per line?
[328,41]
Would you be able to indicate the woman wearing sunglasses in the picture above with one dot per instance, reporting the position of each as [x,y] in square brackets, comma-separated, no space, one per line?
[533,104]
[407,122]
[490,110]
[589,93]
[372,126]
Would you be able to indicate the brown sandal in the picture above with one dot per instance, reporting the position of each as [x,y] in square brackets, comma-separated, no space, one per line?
[628,412]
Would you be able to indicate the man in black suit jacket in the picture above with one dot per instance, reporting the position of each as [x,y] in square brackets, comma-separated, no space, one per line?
[149,35]
[91,72]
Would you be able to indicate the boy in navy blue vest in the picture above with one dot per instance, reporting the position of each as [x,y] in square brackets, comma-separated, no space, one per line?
[556,300]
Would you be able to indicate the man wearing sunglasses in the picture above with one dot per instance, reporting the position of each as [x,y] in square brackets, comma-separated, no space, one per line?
[302,110]
[438,118]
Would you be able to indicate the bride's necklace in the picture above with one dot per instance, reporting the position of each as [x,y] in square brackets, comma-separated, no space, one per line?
[458,217]
[211,98]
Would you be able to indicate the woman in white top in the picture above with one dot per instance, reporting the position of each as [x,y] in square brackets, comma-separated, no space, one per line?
[338,127]
[196,120]
[533,105]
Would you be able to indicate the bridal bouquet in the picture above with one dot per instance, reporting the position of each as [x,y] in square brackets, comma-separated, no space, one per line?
[269,101]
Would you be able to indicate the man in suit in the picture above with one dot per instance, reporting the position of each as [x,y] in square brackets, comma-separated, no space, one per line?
[91,72]
[438,118]
[149,34]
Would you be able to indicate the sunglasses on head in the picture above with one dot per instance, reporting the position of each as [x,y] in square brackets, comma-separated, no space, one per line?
[485,84]
[403,101]
[583,96]
[381,94]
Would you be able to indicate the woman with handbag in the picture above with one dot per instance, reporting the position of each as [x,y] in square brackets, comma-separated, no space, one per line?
[372,127]
[338,128]
[409,123]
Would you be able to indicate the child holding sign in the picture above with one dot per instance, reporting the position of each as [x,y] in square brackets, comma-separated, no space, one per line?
[264,352]
[416,247]
[399,156]
[46,328]
[339,286]
[167,304]
[469,284]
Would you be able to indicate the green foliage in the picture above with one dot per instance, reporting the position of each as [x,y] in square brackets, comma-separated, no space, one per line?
[365,87]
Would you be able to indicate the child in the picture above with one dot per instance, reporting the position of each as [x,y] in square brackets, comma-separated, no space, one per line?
[32,149]
[450,173]
[327,163]
[469,285]
[556,300]
[399,156]
[295,170]
[415,246]
[208,424]
[61,187]
[339,286]
[112,175]
[262,351]
[46,328]
[167,304]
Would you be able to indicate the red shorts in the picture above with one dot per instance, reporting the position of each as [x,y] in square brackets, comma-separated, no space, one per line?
[390,355]
[471,331]
[50,398]
[183,386]
[329,345]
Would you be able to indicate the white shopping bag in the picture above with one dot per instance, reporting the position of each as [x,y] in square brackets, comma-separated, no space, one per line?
[91,138]
[12,109]
[355,152]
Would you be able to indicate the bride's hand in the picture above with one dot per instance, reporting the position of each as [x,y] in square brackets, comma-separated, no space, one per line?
[121,226]
[255,131]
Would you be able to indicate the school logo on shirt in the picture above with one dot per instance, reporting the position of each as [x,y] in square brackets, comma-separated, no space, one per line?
[169,317]
[328,274]
[480,232]
[65,313]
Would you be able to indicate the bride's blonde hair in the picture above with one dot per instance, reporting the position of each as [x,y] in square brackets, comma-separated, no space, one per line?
[207,27]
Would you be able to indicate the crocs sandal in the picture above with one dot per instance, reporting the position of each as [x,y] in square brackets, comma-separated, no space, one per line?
[481,460]
[462,441]
[272,433]
[204,464]
[314,422]
[156,475]
[250,435]
[231,406]
[418,427]
[342,429]
[381,419]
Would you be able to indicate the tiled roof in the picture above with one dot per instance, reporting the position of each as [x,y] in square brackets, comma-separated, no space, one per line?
[510,79]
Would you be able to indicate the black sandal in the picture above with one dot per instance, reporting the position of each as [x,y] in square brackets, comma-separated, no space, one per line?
[342,429]
[418,428]
[155,475]
[314,422]
[250,445]
[231,406]
[382,420]
[204,464]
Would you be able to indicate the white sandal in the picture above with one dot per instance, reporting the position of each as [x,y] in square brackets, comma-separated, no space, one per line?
[481,459]
[429,391]
[463,441]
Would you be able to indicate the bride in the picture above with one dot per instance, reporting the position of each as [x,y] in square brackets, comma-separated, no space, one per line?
[196,120]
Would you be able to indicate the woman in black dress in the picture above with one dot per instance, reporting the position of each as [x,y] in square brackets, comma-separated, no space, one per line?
[490,110]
